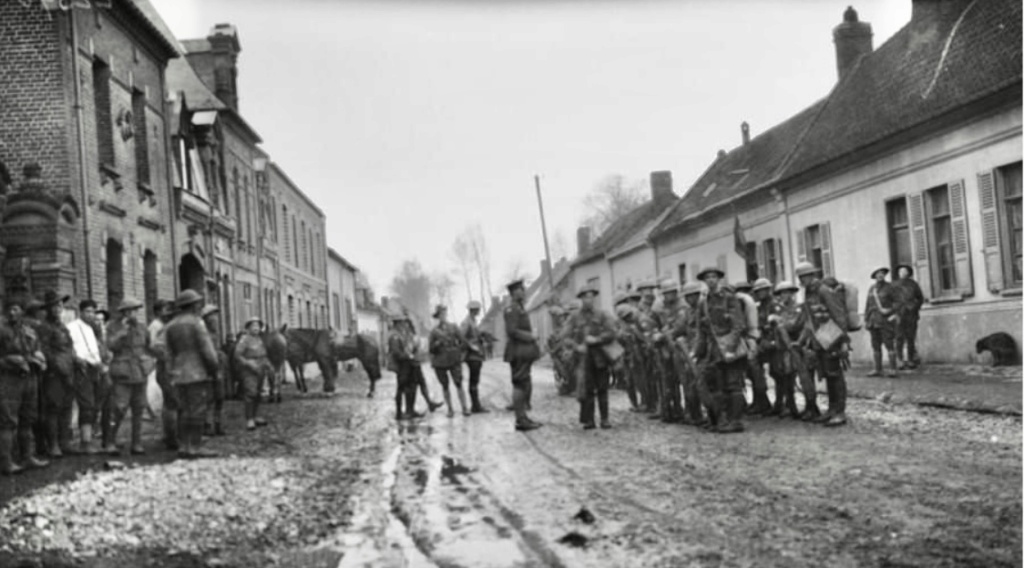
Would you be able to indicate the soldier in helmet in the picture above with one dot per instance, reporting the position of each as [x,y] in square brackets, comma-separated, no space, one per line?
[129,345]
[767,343]
[628,333]
[686,337]
[590,329]
[755,369]
[882,319]
[401,358]
[20,363]
[192,364]
[475,352]
[821,306]
[647,321]
[670,316]
[720,329]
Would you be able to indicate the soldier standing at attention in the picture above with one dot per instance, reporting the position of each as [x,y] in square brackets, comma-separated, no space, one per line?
[647,321]
[821,306]
[20,363]
[191,364]
[909,302]
[720,328]
[590,329]
[882,319]
[215,423]
[760,404]
[629,336]
[88,366]
[164,310]
[521,350]
[767,344]
[446,348]
[788,359]
[669,316]
[402,357]
[58,379]
[250,359]
[129,343]
[475,355]
[695,390]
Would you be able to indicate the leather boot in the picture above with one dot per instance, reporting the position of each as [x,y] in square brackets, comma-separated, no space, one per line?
[878,365]
[602,406]
[587,413]
[197,441]
[53,436]
[462,402]
[830,391]
[88,446]
[839,417]
[136,446]
[448,402]
[28,447]
[894,364]
[171,437]
[7,465]
[474,396]
[734,423]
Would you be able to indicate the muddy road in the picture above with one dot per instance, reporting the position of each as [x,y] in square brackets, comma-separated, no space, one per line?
[337,482]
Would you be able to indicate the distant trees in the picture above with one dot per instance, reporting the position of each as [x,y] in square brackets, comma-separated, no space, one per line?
[611,198]
[473,258]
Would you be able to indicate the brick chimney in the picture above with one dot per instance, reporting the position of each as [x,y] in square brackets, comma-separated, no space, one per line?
[218,66]
[545,267]
[661,187]
[745,132]
[582,240]
[852,39]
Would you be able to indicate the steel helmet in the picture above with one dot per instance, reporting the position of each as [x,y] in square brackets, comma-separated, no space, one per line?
[761,284]
[786,286]
[805,268]
[691,288]
[668,285]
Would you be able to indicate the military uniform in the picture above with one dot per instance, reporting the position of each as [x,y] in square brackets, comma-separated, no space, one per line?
[252,365]
[881,319]
[401,358]
[20,361]
[595,366]
[821,304]
[129,345]
[650,384]
[475,351]
[670,316]
[58,382]
[908,307]
[447,349]
[629,335]
[171,406]
[695,396]
[191,365]
[720,329]
[779,321]
[521,350]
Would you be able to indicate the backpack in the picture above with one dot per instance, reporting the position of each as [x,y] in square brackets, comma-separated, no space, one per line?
[750,313]
[847,291]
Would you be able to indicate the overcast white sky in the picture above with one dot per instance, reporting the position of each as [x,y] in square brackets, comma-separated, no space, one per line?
[406,120]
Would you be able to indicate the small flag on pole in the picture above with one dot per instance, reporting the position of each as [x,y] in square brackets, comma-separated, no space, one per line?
[739,242]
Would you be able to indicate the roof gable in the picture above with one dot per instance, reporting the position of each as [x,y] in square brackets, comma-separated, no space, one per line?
[622,230]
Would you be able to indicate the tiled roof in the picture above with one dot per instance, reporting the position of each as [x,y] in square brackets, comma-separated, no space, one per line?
[926,69]
[622,230]
[742,169]
[196,45]
[156,26]
[930,67]
[181,77]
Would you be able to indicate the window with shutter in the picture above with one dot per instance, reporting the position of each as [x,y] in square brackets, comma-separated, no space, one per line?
[990,231]
[961,240]
[827,267]
[919,239]
[898,225]
[780,262]
[1008,202]
[753,261]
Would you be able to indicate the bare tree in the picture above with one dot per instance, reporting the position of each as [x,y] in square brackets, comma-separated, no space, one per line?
[515,270]
[412,286]
[441,286]
[462,253]
[482,258]
[559,247]
[611,198]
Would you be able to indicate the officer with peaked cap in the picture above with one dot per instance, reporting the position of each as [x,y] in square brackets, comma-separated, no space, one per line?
[521,350]
[192,363]
[721,327]
[475,351]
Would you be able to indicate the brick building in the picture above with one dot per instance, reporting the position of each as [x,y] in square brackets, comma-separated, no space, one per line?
[84,130]
[342,276]
[303,248]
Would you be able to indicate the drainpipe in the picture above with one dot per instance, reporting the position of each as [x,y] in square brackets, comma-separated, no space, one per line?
[83,179]
[172,218]
[789,231]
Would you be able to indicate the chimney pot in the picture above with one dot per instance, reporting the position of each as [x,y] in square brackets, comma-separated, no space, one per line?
[661,186]
[745,131]
[582,240]
[852,39]
[721,154]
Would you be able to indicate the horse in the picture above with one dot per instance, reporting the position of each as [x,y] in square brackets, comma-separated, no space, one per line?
[308,346]
[363,348]
[277,352]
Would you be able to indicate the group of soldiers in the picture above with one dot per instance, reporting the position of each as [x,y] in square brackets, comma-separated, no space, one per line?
[686,357]
[101,365]
[448,347]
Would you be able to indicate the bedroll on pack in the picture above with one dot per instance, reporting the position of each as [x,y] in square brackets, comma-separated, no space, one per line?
[750,312]
[849,293]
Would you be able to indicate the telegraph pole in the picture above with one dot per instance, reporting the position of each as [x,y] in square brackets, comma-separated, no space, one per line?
[544,231]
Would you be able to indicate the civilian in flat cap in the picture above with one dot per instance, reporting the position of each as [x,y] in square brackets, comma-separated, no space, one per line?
[20,363]
[521,350]
[58,379]
[475,353]
[191,364]
[129,348]
[89,365]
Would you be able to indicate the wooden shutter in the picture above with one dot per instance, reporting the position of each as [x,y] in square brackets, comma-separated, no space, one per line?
[961,240]
[761,255]
[990,232]
[919,239]
[780,262]
[827,268]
